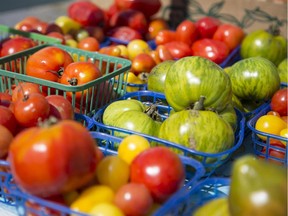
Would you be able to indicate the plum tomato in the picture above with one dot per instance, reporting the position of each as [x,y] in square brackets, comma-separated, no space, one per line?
[164,36]
[178,49]
[186,32]
[207,26]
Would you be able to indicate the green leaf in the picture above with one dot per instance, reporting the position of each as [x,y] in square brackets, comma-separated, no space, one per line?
[215,8]
[259,15]
[196,5]
[229,18]
[246,21]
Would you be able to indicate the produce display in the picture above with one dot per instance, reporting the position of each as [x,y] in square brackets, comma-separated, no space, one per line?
[111,111]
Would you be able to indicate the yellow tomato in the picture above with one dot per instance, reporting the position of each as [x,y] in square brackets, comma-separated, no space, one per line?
[124,51]
[131,146]
[284,133]
[92,196]
[67,24]
[106,209]
[137,46]
[270,124]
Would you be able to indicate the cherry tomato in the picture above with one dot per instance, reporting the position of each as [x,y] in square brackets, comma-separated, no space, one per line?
[106,209]
[216,51]
[155,26]
[274,155]
[89,44]
[131,146]
[124,33]
[164,53]
[279,101]
[143,62]
[178,49]
[186,32]
[31,110]
[207,26]
[92,196]
[152,168]
[273,113]
[269,124]
[135,47]
[165,36]
[230,34]
[54,159]
[134,199]
[113,172]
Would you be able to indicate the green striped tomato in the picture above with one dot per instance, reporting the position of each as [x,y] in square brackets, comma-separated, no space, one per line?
[191,77]
[262,43]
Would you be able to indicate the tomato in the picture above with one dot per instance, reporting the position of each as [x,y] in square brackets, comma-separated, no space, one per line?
[31,110]
[153,168]
[48,63]
[55,159]
[269,124]
[147,7]
[285,118]
[178,49]
[273,113]
[137,46]
[60,107]
[186,32]
[5,99]
[156,25]
[216,51]
[79,73]
[230,34]
[267,44]
[8,120]
[113,172]
[143,62]
[274,155]
[16,44]
[134,199]
[5,140]
[165,36]
[89,44]
[284,133]
[207,26]
[124,34]
[164,53]
[279,101]
[91,196]
[106,209]
[131,146]
[24,88]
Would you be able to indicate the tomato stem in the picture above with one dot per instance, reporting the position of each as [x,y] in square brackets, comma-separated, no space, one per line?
[199,105]
[274,30]
[73,81]
[152,112]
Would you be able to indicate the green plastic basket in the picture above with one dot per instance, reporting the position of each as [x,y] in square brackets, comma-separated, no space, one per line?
[100,91]
[6,32]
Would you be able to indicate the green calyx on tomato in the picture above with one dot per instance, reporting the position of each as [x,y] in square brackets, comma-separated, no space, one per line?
[265,43]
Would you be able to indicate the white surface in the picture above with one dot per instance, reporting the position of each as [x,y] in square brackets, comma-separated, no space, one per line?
[6,210]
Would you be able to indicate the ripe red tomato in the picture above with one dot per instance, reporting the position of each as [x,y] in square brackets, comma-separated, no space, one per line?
[31,110]
[7,119]
[5,140]
[79,73]
[216,51]
[207,26]
[274,153]
[5,99]
[163,53]
[124,33]
[134,199]
[60,107]
[178,49]
[186,32]
[164,36]
[16,44]
[160,170]
[24,88]
[142,62]
[156,25]
[279,101]
[89,44]
[47,63]
[231,35]
[55,159]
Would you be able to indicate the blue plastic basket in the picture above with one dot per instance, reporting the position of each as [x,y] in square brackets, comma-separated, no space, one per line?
[164,109]
[259,145]
[85,120]
[15,197]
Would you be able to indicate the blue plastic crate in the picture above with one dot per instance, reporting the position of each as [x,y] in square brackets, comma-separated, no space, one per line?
[13,196]
[164,109]
[259,145]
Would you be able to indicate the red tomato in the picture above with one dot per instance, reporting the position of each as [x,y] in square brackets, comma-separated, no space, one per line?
[164,53]
[24,88]
[279,101]
[54,159]
[152,168]
[125,33]
[57,35]
[5,140]
[79,73]
[47,63]
[155,26]
[5,99]
[89,44]
[7,119]
[207,26]
[186,32]
[178,49]
[31,110]
[134,199]
[285,118]
[278,154]
[165,36]
[142,62]
[230,34]
[216,51]
[14,45]
[60,107]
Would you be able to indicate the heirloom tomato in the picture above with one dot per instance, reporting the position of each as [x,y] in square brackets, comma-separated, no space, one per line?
[53,159]
[16,44]
[265,44]
[231,35]
[214,50]
[60,107]
[279,102]
[48,63]
[152,168]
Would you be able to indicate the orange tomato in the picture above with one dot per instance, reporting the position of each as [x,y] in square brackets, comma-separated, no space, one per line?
[273,113]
